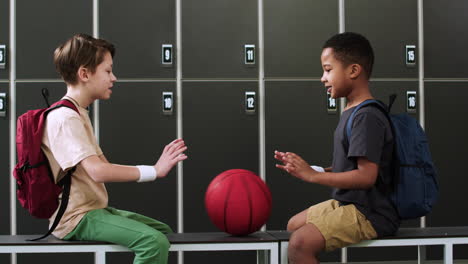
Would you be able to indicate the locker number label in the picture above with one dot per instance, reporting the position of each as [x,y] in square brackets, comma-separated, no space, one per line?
[411,105]
[410,55]
[2,56]
[167,102]
[332,104]
[2,104]
[167,55]
[250,102]
[249,54]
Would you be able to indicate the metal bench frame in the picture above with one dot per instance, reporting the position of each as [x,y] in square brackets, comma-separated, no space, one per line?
[267,251]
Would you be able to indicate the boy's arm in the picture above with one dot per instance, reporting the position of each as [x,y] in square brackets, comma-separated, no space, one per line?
[101,170]
[361,178]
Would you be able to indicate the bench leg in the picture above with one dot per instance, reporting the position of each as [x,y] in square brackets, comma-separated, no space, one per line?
[448,254]
[344,255]
[274,255]
[268,256]
[99,257]
[284,252]
[262,257]
[421,254]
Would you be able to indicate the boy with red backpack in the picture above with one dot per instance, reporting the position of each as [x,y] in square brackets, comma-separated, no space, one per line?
[85,64]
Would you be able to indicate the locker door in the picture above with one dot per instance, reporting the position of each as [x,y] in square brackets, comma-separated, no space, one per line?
[220,136]
[41,27]
[295,31]
[29,97]
[445,39]
[139,29]
[4,36]
[446,128]
[6,171]
[297,121]
[214,34]
[389,26]
[134,131]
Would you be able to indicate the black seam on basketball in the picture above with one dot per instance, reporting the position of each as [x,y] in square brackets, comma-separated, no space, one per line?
[225,209]
[250,201]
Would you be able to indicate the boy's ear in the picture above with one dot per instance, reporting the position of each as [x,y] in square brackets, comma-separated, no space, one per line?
[83,74]
[355,70]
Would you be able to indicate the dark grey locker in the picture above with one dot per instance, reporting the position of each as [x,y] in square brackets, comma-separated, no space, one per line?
[446,130]
[138,31]
[134,131]
[29,97]
[214,34]
[6,171]
[294,35]
[41,27]
[296,120]
[381,90]
[389,26]
[220,136]
[445,39]
[4,35]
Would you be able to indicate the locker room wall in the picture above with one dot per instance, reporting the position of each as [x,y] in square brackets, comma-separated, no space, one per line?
[216,129]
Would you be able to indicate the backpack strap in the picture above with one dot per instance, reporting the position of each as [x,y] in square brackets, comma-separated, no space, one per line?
[349,123]
[65,182]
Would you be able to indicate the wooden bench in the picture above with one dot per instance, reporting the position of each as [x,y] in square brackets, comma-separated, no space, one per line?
[265,245]
[420,237]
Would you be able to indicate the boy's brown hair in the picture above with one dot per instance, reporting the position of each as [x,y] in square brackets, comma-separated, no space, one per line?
[80,50]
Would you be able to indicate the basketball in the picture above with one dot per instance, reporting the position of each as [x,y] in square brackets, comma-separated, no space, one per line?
[238,202]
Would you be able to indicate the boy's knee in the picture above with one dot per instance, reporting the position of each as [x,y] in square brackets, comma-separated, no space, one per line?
[294,224]
[305,242]
[291,225]
[155,243]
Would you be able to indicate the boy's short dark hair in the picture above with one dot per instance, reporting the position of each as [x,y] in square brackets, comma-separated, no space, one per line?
[80,50]
[350,47]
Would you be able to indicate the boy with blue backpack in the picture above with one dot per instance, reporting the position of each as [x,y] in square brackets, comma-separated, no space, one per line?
[362,172]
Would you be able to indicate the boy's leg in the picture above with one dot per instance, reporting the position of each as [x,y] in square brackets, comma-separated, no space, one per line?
[160,226]
[305,244]
[300,219]
[149,244]
[329,226]
[297,221]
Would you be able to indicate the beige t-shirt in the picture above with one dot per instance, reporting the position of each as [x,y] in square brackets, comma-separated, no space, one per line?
[68,139]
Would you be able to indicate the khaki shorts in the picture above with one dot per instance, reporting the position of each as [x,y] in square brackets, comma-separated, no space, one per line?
[340,225]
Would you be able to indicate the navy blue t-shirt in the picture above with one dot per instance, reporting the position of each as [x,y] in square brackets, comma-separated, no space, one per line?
[372,139]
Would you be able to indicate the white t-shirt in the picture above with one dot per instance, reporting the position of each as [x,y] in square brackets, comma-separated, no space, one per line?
[68,139]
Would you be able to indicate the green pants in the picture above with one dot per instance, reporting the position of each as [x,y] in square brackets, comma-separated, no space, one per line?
[143,235]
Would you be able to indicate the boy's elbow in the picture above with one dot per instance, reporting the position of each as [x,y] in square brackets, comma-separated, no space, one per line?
[369,181]
[97,173]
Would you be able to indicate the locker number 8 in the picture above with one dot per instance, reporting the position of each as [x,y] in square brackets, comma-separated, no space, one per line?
[1,55]
[1,104]
[167,103]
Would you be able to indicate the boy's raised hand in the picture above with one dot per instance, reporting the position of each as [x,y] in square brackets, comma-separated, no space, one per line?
[294,165]
[172,153]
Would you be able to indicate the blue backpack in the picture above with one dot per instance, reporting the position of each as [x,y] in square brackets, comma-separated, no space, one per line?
[415,188]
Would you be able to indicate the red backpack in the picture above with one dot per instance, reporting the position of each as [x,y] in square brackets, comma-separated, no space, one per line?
[36,188]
